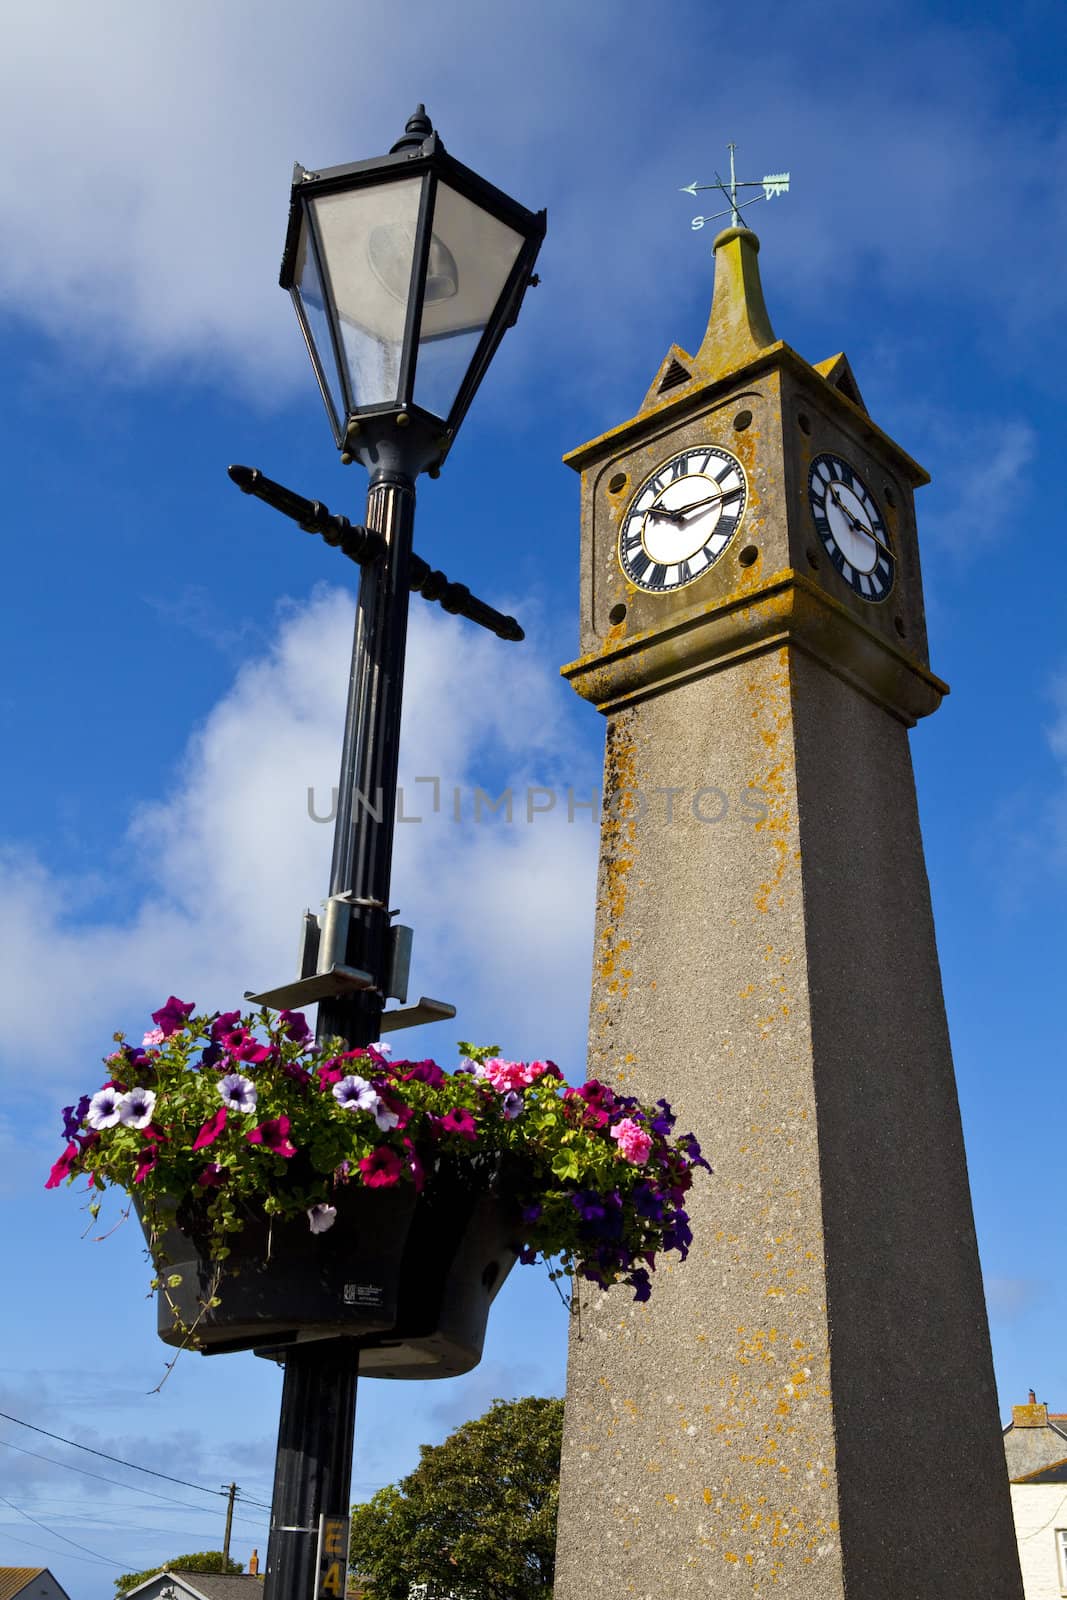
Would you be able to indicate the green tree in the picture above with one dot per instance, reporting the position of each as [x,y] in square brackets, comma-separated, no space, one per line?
[203,1561]
[476,1520]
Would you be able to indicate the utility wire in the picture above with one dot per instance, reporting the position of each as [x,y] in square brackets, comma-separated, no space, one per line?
[153,1494]
[151,1471]
[30,1544]
[52,1534]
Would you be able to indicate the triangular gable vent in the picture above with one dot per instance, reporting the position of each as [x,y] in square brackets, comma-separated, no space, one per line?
[674,375]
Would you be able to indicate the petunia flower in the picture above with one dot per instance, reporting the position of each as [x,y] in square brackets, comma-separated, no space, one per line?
[355,1094]
[459,1121]
[211,1129]
[174,1015]
[427,1072]
[274,1136]
[237,1092]
[415,1166]
[104,1108]
[252,1053]
[136,1107]
[224,1024]
[62,1168]
[381,1168]
[294,1026]
[212,1176]
[74,1116]
[321,1217]
[512,1105]
[146,1160]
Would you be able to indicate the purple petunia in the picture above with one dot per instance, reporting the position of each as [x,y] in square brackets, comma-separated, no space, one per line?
[355,1094]
[321,1217]
[74,1116]
[512,1105]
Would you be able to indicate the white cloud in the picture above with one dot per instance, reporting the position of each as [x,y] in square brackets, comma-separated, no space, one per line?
[503,914]
[151,147]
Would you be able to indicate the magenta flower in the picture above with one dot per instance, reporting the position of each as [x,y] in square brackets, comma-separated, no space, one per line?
[252,1052]
[427,1072]
[211,1129]
[273,1135]
[62,1168]
[294,1025]
[146,1160]
[418,1171]
[174,1015]
[212,1176]
[321,1217]
[459,1121]
[381,1168]
[224,1024]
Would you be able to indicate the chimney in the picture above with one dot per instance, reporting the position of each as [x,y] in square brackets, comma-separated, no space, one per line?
[1032,1415]
[253,1563]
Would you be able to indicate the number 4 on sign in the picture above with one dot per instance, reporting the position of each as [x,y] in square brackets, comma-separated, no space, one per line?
[332,1565]
[772,184]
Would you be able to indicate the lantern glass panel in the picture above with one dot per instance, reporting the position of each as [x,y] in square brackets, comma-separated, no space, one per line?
[471,256]
[368,241]
[307,281]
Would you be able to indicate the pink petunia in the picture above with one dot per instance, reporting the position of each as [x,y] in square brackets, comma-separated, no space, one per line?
[211,1129]
[273,1135]
[381,1168]
[147,1157]
[62,1168]
[459,1121]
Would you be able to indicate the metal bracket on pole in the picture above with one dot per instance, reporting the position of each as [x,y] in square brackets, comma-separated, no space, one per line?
[362,546]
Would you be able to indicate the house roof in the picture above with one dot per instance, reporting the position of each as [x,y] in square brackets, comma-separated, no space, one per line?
[14,1579]
[1054,1472]
[208,1585]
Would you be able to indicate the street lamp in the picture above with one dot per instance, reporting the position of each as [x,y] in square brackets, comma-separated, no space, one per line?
[405,272]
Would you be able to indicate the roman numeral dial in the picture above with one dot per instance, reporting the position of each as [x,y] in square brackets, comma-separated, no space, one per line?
[851,527]
[682,518]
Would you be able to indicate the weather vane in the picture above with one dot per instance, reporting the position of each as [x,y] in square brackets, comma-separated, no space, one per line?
[774,183]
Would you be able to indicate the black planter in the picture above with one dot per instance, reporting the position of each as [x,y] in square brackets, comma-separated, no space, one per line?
[411,1277]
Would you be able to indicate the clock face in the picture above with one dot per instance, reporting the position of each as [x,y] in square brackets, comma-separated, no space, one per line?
[851,527]
[682,518]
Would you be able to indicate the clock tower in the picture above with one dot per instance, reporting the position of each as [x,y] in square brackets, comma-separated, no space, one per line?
[806,1406]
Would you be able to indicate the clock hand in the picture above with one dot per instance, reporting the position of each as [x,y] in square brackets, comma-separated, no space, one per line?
[663,511]
[857,526]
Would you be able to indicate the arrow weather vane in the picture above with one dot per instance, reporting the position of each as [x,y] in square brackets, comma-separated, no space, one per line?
[774,183]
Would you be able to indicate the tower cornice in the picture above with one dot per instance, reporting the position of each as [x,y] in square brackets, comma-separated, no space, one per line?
[681,402]
[787,609]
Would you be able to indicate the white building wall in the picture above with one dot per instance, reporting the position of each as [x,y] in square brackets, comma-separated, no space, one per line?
[1040,1509]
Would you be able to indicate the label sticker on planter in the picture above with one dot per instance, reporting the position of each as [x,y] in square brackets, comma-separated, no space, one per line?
[363,1294]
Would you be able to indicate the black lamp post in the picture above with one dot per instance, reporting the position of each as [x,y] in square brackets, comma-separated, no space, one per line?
[406,272]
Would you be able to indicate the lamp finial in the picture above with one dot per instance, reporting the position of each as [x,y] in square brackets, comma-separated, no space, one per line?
[417,129]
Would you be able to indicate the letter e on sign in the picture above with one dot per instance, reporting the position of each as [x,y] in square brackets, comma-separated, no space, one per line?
[333,1558]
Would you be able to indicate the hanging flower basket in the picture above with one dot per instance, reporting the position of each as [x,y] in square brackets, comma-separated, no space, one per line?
[290,1190]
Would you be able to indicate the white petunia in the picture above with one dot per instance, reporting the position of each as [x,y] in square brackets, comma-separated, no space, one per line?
[104,1108]
[355,1094]
[322,1217]
[136,1108]
[238,1092]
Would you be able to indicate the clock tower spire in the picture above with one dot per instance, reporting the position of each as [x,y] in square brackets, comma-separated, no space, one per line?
[807,1404]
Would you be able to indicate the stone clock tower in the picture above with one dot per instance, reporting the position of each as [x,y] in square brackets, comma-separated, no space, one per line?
[806,1406]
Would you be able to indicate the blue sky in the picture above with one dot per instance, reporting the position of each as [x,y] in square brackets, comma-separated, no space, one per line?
[176,654]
